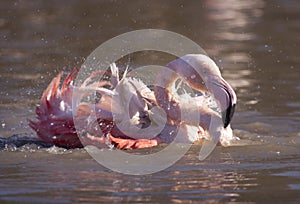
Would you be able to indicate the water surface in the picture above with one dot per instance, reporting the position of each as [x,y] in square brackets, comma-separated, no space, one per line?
[256,44]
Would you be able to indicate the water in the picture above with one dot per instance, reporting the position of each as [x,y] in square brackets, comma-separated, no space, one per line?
[255,42]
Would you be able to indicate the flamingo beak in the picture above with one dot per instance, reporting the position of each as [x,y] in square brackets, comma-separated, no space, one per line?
[226,98]
[228,114]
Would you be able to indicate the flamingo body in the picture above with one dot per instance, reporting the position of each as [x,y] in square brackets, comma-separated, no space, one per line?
[55,120]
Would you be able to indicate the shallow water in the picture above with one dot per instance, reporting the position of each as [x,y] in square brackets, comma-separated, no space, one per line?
[256,44]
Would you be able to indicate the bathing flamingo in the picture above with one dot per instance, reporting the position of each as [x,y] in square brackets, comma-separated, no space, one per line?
[55,123]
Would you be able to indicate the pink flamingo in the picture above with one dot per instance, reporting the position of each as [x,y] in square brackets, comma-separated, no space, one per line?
[55,124]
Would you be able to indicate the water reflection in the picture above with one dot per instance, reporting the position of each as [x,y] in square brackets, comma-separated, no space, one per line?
[234,16]
[179,184]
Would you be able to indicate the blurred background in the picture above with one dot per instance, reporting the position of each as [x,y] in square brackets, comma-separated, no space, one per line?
[255,43]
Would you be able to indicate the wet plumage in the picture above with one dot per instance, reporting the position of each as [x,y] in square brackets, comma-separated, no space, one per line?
[126,107]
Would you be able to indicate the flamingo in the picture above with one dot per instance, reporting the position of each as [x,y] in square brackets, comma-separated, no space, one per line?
[55,116]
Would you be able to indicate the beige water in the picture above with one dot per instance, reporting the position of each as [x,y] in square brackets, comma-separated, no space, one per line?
[255,42]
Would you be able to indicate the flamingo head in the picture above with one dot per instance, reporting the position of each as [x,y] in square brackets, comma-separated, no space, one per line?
[226,98]
[209,77]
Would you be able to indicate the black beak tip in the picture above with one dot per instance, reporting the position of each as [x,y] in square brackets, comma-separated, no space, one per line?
[225,119]
[227,115]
